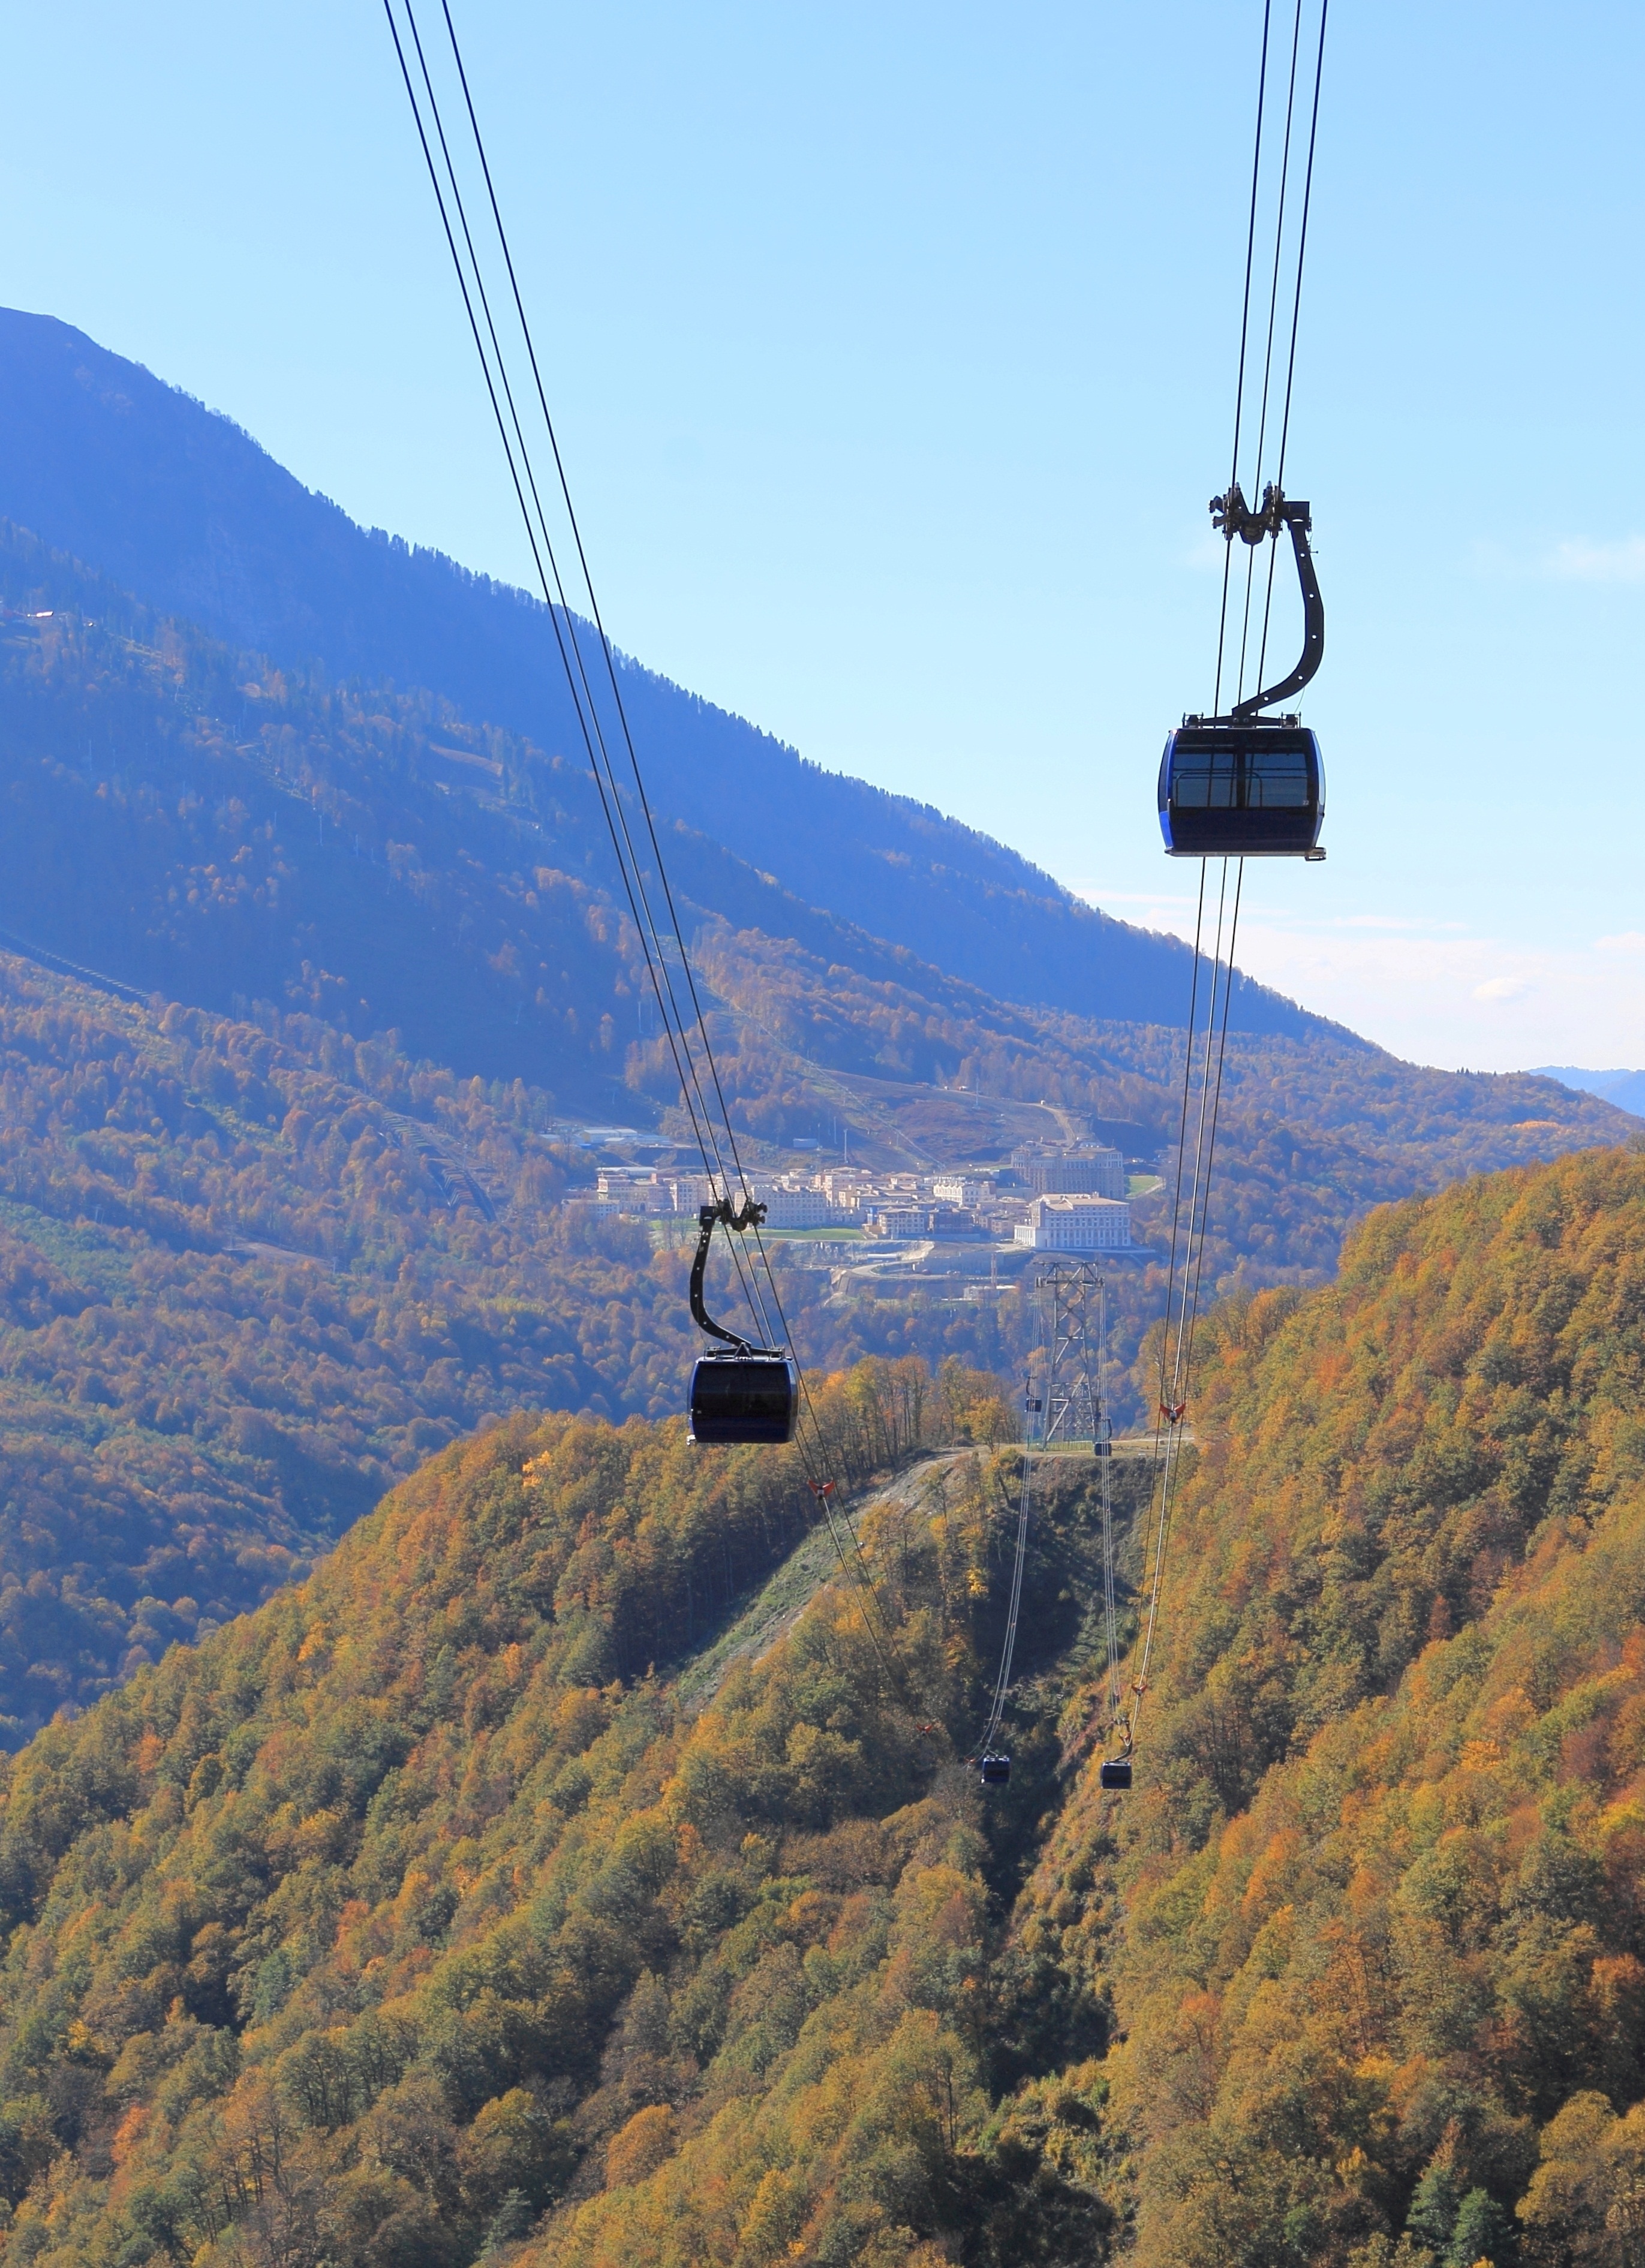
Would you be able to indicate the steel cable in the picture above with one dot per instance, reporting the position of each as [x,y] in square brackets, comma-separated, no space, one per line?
[653,938]
[594,603]
[1244,328]
[1105,1456]
[1267,359]
[1170,1425]
[1002,1683]
[1176,1350]
[1296,303]
[547,578]
[1216,1107]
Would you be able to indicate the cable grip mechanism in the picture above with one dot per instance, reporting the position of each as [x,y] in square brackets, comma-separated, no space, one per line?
[1232,517]
[708,1218]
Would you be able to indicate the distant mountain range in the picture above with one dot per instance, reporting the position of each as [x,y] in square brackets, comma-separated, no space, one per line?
[1624,1088]
[183,509]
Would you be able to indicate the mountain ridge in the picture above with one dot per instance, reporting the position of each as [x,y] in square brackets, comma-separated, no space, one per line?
[1624,1088]
[178,505]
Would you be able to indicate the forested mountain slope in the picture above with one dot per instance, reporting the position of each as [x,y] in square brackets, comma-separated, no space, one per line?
[183,509]
[1372,1925]
[416,1904]
[249,1277]
[200,824]
[356,847]
[251,1273]
[418,1917]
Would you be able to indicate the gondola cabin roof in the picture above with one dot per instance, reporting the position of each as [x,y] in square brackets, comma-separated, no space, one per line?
[1255,789]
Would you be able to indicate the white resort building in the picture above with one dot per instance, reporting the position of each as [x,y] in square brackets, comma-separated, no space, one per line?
[1076,1223]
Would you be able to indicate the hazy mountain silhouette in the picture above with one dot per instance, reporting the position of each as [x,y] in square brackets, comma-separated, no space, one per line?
[179,506]
[1624,1088]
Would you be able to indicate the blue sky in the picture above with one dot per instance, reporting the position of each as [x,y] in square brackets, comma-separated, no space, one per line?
[893,349]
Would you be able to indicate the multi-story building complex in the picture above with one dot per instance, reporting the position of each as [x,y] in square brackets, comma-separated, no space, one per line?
[634,1188]
[1077,1173]
[1075,1223]
[898,1219]
[844,1185]
[789,1203]
[962,1190]
[686,1192]
[790,1208]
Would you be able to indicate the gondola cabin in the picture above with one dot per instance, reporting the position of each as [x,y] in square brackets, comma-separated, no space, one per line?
[1116,1773]
[744,1396]
[995,1770]
[1250,789]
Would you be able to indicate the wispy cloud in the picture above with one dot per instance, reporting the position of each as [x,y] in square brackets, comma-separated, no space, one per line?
[1581,560]
[1572,559]
[1436,991]
[1396,921]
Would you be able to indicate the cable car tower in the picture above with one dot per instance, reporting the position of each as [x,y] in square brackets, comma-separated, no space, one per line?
[1072,1293]
[1068,1403]
[1075,1313]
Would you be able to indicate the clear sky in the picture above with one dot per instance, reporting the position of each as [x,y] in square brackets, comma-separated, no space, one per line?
[893,351]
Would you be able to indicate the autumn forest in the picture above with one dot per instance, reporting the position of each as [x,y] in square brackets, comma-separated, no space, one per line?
[447,1816]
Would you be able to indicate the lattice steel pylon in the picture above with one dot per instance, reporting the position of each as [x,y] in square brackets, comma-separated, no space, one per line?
[1074,1314]
[1074,1324]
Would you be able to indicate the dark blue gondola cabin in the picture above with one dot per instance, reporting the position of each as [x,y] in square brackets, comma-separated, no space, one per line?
[996,1770]
[1252,788]
[743,1396]
[1116,1773]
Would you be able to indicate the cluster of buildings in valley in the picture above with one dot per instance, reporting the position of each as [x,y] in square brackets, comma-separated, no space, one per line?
[1050,1198]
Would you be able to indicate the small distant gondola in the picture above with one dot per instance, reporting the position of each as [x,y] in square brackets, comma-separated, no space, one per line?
[1246,785]
[995,1770]
[1116,1773]
[745,1394]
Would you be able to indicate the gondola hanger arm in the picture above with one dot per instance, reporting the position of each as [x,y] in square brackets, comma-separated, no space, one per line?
[708,1218]
[1232,517]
